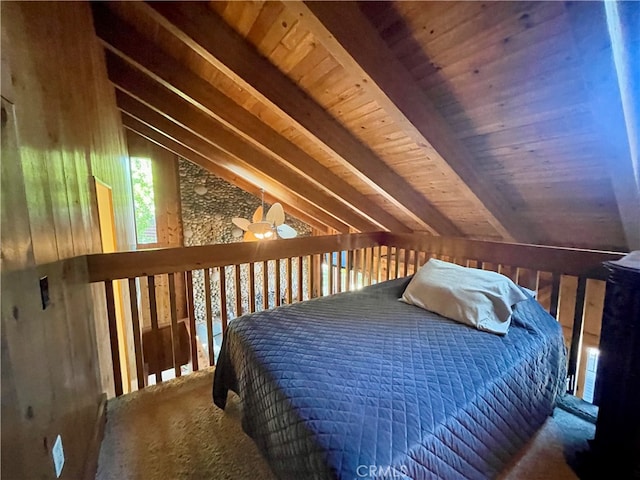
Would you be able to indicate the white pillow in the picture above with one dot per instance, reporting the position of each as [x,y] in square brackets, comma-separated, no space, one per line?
[479,298]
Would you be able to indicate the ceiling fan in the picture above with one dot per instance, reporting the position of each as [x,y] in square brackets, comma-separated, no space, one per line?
[267,227]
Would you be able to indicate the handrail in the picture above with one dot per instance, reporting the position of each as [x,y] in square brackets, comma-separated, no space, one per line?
[563,260]
[568,282]
[113,266]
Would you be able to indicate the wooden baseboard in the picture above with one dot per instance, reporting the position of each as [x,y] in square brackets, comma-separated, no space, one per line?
[93,452]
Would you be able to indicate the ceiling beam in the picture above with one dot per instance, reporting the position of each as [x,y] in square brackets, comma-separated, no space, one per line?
[622,22]
[182,112]
[594,45]
[252,184]
[203,30]
[358,47]
[145,114]
[232,179]
[122,39]
[178,119]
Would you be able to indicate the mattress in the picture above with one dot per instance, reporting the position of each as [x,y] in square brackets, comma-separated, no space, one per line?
[362,385]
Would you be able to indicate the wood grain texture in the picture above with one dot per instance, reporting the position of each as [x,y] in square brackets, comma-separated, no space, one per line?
[124,265]
[347,33]
[229,52]
[286,152]
[219,138]
[169,72]
[64,130]
[513,80]
[253,185]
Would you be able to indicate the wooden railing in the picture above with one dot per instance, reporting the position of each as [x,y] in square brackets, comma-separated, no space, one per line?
[222,282]
[225,281]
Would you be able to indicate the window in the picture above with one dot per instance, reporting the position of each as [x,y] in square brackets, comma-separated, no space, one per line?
[143,200]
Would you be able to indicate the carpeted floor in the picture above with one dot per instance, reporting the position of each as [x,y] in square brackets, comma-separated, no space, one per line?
[173,431]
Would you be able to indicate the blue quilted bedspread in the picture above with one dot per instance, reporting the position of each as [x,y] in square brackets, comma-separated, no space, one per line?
[361,385]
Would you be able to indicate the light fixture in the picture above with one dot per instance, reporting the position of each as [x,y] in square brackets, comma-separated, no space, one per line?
[271,226]
[261,230]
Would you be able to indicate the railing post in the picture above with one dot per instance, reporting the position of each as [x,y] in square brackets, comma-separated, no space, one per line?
[238,290]
[370,263]
[265,284]
[192,320]
[339,269]
[555,296]
[387,275]
[349,270]
[317,275]
[331,273]
[300,279]
[113,337]
[289,280]
[209,314]
[223,299]
[153,310]
[405,266]
[137,337]
[277,289]
[576,336]
[174,325]
[252,287]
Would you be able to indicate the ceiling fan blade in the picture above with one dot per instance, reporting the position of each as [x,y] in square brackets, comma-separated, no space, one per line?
[257,215]
[249,237]
[285,231]
[275,215]
[242,223]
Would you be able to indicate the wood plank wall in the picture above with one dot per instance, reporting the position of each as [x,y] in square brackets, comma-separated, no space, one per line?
[60,127]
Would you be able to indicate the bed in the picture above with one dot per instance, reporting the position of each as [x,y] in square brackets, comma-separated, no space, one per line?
[361,385]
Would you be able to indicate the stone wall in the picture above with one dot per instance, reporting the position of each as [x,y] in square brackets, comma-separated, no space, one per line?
[208,205]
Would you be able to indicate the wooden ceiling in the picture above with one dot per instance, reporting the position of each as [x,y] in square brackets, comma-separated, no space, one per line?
[491,120]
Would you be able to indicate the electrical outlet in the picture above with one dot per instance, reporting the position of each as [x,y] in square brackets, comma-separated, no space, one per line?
[44,292]
[58,456]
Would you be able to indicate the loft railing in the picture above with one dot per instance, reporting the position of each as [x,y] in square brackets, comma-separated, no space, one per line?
[268,273]
[224,281]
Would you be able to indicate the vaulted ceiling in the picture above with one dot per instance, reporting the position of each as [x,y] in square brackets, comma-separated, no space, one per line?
[491,120]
